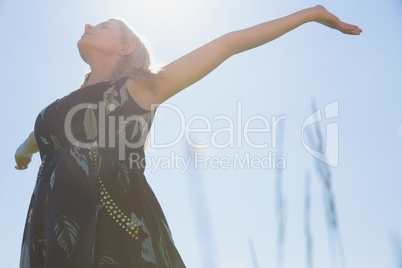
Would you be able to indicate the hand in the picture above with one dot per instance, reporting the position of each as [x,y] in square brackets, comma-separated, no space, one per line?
[328,19]
[22,160]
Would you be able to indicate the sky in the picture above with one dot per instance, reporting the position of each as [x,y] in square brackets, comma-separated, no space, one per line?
[217,215]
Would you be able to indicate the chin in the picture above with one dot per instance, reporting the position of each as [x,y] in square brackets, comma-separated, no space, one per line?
[80,42]
[81,51]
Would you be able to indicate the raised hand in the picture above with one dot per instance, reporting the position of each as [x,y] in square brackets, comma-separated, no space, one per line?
[24,152]
[22,160]
[328,19]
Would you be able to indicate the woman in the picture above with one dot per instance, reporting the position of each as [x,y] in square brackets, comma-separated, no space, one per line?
[91,206]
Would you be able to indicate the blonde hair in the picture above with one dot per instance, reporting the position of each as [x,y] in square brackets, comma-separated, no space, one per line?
[136,65]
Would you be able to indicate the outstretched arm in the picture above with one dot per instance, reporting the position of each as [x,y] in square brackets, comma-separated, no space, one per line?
[195,65]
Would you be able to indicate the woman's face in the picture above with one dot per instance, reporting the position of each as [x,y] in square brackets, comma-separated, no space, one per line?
[103,39]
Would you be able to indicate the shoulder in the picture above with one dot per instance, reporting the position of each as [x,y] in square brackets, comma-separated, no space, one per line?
[141,94]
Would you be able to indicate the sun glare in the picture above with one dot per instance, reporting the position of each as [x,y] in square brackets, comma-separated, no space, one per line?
[164,6]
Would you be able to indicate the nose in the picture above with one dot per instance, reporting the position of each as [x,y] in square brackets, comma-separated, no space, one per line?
[88,27]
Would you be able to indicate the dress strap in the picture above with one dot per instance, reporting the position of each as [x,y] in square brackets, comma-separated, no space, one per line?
[114,81]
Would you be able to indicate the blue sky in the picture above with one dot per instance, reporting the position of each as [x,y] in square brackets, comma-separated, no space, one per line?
[214,212]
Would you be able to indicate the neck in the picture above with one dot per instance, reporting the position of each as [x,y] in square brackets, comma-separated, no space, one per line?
[101,70]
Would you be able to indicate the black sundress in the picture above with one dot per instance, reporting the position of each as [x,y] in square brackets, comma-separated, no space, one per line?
[92,205]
